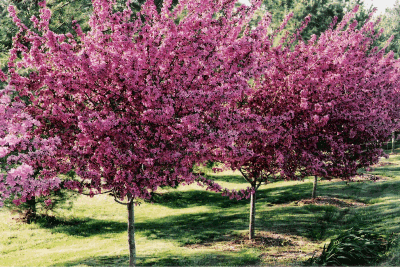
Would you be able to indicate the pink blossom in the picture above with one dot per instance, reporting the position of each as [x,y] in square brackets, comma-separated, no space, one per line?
[48,202]
[3,151]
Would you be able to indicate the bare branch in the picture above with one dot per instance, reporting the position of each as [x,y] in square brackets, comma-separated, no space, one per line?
[245,176]
[86,194]
[65,5]
[120,202]
[259,184]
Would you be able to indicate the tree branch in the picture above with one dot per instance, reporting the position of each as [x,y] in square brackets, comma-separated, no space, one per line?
[245,176]
[120,202]
[86,194]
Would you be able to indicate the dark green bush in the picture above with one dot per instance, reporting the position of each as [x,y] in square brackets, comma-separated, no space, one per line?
[354,247]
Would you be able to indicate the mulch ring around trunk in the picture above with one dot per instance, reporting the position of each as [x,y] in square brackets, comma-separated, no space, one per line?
[277,248]
[341,203]
[262,239]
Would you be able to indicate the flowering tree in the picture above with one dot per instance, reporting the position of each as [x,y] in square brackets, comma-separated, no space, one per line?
[357,95]
[133,103]
[21,154]
[326,106]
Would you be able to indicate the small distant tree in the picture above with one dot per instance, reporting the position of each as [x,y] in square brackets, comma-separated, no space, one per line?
[18,146]
[21,154]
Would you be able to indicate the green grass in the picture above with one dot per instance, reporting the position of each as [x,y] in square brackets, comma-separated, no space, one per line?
[191,226]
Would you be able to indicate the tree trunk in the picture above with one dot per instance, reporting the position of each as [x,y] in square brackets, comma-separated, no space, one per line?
[131,233]
[393,141]
[314,191]
[31,209]
[252,214]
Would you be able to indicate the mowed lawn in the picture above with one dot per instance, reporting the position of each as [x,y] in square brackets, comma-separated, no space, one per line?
[191,226]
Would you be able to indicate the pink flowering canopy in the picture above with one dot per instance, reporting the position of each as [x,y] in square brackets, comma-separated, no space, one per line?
[135,102]
[327,105]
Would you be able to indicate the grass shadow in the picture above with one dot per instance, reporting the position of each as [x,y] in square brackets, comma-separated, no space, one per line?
[277,195]
[383,217]
[366,192]
[193,228]
[284,194]
[81,227]
[316,222]
[167,259]
[186,199]
[122,260]
[310,221]
[232,178]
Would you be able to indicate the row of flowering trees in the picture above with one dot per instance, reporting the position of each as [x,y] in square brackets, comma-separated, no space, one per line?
[135,102]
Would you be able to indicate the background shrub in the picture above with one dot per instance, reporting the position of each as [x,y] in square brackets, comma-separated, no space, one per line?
[354,247]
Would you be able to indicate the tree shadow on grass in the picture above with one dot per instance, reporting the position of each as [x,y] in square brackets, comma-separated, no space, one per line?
[271,196]
[382,217]
[168,259]
[233,178]
[187,199]
[283,194]
[365,191]
[193,228]
[310,221]
[81,227]
[99,261]
[277,212]
[387,169]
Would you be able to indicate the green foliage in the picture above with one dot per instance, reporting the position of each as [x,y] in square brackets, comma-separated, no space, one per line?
[322,13]
[354,247]
[63,13]
[393,258]
[3,63]
[391,24]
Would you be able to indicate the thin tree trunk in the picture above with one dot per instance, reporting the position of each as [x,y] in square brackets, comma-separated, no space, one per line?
[252,214]
[131,233]
[393,141]
[31,209]
[314,191]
